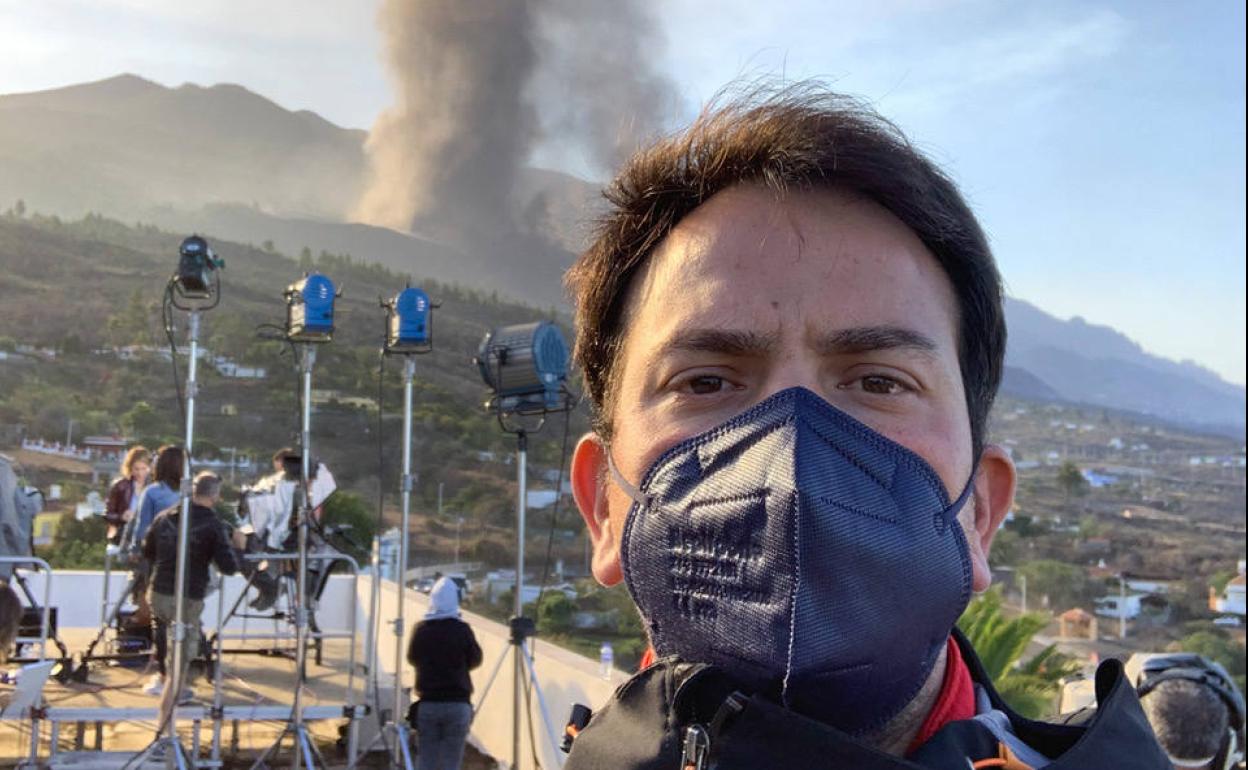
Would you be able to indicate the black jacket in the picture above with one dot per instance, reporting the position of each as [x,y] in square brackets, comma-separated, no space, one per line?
[207,544]
[645,724]
[443,652]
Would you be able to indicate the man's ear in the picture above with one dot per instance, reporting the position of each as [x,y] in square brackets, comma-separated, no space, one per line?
[589,489]
[994,496]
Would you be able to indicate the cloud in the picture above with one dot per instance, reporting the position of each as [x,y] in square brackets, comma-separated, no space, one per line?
[1032,55]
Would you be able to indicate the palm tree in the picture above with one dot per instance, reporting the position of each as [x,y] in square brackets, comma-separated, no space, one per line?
[1032,687]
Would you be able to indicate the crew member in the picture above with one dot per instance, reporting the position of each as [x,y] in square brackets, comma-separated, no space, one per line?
[792,331]
[124,494]
[161,494]
[443,649]
[269,507]
[207,544]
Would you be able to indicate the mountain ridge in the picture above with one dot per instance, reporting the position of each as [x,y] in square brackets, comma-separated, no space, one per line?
[229,162]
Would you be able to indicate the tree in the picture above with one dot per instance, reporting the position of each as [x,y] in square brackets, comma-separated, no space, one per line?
[1031,687]
[555,613]
[19,208]
[347,508]
[143,421]
[1065,584]
[78,544]
[1218,646]
[1071,480]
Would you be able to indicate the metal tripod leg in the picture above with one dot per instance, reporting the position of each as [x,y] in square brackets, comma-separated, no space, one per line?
[305,750]
[527,657]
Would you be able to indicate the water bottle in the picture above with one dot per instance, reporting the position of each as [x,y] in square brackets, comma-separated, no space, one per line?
[606,660]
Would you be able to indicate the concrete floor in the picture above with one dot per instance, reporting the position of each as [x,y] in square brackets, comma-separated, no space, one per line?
[249,682]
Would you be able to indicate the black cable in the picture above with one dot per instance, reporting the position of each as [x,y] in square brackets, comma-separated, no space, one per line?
[166,310]
[554,514]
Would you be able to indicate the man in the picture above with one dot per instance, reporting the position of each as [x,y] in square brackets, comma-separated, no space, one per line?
[1194,708]
[269,508]
[791,329]
[207,544]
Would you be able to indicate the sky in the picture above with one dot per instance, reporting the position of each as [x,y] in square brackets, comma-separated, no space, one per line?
[1101,144]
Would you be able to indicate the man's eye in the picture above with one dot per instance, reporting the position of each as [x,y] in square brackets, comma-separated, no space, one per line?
[884,386]
[705,385]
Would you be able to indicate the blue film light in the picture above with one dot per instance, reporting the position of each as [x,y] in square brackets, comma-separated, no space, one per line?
[408,322]
[310,309]
[525,365]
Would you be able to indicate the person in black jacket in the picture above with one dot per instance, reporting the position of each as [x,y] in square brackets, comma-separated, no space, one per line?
[791,328]
[207,544]
[443,649]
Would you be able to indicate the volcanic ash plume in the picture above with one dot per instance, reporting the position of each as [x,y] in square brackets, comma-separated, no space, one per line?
[446,154]
[480,85]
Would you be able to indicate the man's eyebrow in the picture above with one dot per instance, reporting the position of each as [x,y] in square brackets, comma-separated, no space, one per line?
[863,339]
[730,342]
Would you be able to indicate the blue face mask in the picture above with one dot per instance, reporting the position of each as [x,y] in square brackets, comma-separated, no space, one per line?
[804,553]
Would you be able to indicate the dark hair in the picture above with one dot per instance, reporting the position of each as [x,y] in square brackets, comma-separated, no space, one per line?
[283,453]
[207,484]
[1189,719]
[169,460]
[799,137]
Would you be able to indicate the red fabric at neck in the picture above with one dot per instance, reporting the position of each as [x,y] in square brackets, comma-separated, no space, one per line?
[956,700]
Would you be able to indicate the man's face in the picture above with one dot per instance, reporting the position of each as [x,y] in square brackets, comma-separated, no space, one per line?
[750,295]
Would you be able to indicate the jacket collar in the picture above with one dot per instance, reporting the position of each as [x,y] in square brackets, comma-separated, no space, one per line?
[643,726]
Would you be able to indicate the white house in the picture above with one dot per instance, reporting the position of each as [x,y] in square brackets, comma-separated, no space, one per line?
[1231,602]
[1119,606]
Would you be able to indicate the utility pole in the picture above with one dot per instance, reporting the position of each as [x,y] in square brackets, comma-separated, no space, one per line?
[69,434]
[440,502]
[1023,581]
[1122,607]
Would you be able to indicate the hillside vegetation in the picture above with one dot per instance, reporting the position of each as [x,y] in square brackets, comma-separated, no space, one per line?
[87,287]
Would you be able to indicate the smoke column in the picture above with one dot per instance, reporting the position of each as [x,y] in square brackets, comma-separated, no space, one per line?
[478,85]
[446,154]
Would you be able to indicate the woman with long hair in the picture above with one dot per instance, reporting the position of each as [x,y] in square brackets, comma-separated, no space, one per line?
[124,494]
[163,493]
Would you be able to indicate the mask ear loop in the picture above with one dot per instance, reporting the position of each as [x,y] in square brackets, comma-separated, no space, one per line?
[946,517]
[633,492]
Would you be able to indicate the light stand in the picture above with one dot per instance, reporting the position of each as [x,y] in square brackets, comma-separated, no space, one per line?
[409,332]
[521,628]
[167,742]
[309,321]
[525,366]
[402,748]
[306,753]
[197,279]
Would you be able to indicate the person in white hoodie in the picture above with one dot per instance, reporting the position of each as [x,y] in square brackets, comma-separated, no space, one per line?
[443,649]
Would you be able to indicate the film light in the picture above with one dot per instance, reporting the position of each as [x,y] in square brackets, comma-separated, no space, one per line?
[310,309]
[409,322]
[196,264]
[525,366]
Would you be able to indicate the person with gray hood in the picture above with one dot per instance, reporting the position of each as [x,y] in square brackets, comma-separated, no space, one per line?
[443,650]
